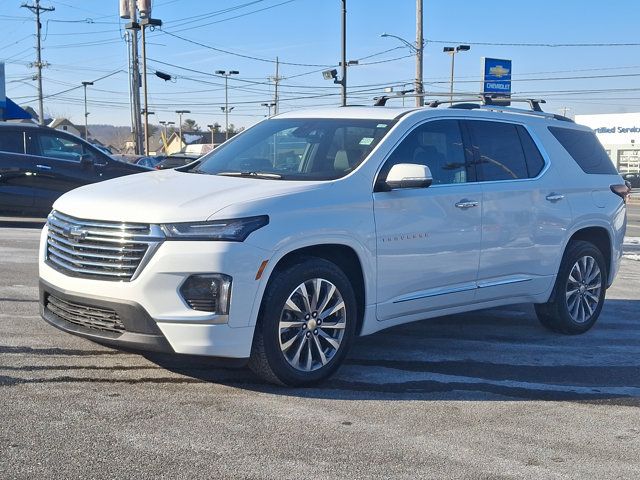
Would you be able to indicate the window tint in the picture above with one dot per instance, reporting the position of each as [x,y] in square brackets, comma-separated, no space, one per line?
[60,147]
[585,149]
[11,141]
[438,145]
[535,162]
[500,151]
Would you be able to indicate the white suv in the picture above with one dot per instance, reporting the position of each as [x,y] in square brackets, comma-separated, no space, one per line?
[313,227]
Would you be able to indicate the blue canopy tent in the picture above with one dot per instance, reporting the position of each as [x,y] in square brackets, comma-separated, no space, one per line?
[13,111]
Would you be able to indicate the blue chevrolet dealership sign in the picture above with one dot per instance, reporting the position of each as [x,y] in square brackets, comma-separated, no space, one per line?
[496,76]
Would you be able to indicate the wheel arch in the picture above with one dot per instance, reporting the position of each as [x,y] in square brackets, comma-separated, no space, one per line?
[344,255]
[598,236]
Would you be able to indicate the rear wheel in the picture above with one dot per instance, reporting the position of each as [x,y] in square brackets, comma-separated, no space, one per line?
[579,292]
[306,325]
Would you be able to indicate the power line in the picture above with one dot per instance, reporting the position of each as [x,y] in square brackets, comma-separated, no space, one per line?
[214,13]
[551,45]
[236,16]
[250,57]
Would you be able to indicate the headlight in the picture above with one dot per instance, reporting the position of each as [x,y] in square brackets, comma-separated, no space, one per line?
[235,230]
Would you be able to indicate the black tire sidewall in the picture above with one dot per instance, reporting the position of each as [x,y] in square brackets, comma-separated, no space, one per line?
[278,291]
[574,252]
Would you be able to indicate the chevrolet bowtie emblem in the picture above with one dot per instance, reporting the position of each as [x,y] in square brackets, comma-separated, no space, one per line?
[76,232]
[499,71]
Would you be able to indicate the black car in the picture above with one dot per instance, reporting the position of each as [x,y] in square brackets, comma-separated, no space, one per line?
[149,161]
[39,164]
[633,179]
[175,161]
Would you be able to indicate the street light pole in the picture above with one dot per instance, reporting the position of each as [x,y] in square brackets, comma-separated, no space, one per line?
[86,114]
[146,22]
[452,51]
[180,112]
[417,49]
[343,81]
[226,109]
[269,105]
[211,127]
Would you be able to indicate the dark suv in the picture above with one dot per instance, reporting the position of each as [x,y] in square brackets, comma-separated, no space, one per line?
[38,164]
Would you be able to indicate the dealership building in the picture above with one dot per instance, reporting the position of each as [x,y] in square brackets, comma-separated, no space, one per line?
[619,133]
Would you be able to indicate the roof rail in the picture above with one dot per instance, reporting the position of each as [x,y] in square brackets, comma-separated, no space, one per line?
[488,102]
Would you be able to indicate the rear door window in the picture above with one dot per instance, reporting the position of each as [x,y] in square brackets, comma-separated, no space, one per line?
[11,141]
[585,149]
[500,153]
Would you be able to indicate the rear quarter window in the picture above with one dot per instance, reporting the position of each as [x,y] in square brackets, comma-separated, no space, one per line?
[11,141]
[585,149]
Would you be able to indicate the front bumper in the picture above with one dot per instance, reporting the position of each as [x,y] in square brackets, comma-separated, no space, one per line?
[140,331]
[154,315]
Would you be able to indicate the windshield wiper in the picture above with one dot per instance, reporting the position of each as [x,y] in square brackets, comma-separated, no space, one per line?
[273,176]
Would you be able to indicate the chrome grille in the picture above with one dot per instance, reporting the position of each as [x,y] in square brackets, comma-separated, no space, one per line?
[84,315]
[101,250]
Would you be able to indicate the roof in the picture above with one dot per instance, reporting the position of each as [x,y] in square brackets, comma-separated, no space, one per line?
[56,122]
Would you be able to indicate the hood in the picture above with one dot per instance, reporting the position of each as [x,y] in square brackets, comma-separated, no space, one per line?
[169,196]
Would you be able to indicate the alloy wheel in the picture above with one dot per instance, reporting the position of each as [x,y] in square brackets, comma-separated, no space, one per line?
[584,286]
[312,325]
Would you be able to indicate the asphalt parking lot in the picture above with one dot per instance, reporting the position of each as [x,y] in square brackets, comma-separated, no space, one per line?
[484,395]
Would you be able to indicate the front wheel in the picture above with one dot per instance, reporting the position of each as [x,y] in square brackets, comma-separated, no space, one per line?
[306,325]
[578,295]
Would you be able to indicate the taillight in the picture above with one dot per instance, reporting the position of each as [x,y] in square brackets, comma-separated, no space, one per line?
[623,191]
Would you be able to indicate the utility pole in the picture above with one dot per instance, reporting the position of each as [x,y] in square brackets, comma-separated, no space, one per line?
[276,93]
[38,63]
[86,113]
[128,11]
[419,51]
[226,109]
[343,81]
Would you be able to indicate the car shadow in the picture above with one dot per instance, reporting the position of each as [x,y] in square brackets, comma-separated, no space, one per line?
[494,354]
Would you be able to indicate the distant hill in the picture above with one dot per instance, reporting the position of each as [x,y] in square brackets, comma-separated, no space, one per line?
[117,135]
[111,134]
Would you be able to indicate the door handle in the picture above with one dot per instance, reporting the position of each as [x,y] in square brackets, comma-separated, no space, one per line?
[43,167]
[464,204]
[554,197]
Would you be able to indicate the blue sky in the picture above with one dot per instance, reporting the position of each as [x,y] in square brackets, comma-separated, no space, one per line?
[83,41]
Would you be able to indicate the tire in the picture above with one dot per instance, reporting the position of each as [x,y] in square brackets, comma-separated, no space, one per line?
[302,351]
[579,292]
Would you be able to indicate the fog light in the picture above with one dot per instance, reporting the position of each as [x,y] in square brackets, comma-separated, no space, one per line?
[208,293]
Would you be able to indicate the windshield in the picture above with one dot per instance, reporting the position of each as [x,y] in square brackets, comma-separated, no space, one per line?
[296,149]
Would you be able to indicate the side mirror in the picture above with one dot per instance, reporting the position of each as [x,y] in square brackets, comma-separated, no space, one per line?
[86,160]
[408,175]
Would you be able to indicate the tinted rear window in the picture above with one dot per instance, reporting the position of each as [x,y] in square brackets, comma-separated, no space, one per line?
[501,154]
[585,149]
